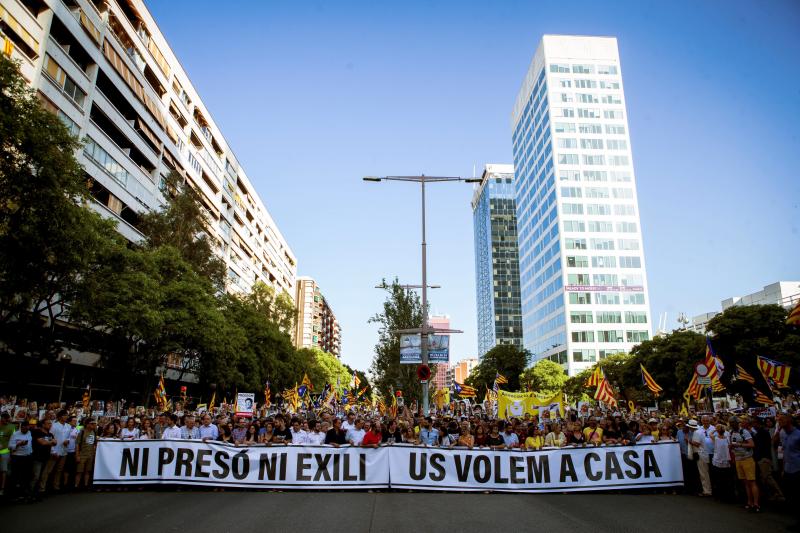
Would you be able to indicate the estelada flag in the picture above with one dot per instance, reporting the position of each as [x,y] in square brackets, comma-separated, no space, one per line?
[744,375]
[597,376]
[794,316]
[649,382]
[500,379]
[307,382]
[774,370]
[763,398]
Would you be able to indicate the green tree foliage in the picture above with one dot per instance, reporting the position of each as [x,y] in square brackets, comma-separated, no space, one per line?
[505,359]
[545,376]
[670,359]
[183,225]
[401,310]
[48,240]
[278,308]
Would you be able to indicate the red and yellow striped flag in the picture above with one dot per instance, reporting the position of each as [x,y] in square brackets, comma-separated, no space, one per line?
[605,393]
[774,370]
[744,375]
[649,382]
[763,398]
[794,316]
[597,376]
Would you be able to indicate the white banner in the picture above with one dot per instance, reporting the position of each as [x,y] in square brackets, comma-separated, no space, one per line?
[193,462]
[565,469]
[399,466]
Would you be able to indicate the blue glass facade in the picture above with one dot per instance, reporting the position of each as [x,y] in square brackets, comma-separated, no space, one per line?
[497,260]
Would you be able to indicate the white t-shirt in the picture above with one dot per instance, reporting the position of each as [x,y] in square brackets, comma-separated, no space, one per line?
[299,437]
[129,434]
[355,436]
[347,426]
[27,446]
[73,436]
[315,437]
[722,454]
[61,433]
[173,432]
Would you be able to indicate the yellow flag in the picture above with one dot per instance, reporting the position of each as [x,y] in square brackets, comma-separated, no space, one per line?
[517,404]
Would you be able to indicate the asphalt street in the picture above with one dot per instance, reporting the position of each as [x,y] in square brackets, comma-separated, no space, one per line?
[191,511]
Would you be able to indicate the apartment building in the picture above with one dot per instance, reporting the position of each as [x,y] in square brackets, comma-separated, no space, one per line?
[316,324]
[107,71]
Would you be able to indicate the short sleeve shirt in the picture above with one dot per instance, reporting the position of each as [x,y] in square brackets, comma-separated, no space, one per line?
[741,437]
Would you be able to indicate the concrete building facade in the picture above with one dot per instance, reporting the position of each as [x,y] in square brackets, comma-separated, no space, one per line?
[316,324]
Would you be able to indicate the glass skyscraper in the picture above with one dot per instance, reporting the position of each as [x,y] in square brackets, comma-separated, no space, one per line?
[496,259]
[582,268]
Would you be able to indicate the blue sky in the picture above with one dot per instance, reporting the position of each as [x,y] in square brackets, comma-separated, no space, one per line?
[312,96]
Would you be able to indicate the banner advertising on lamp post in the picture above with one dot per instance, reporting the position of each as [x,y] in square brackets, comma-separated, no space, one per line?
[438,349]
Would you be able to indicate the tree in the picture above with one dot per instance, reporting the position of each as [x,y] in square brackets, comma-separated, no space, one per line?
[277,308]
[505,359]
[401,310]
[669,359]
[183,224]
[48,239]
[545,377]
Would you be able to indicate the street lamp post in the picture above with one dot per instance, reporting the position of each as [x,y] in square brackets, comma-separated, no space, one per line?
[65,359]
[425,329]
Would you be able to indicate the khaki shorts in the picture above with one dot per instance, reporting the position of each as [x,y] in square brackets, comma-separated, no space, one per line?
[746,469]
[85,464]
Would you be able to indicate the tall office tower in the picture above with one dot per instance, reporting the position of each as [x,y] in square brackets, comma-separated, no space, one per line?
[582,269]
[316,325]
[105,68]
[496,259]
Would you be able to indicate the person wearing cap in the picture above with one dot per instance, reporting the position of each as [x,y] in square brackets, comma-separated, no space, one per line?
[688,457]
[649,432]
[20,446]
[743,445]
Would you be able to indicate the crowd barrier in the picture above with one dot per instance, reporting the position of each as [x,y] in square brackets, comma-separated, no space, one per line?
[399,466]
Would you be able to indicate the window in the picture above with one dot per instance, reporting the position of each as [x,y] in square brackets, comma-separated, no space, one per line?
[572,209]
[609,85]
[574,225]
[585,84]
[620,176]
[590,128]
[588,113]
[563,97]
[604,261]
[64,82]
[600,226]
[609,317]
[602,244]
[593,160]
[624,210]
[564,127]
[626,227]
[613,129]
[580,298]
[598,209]
[612,335]
[638,336]
[582,69]
[616,144]
[628,244]
[582,336]
[587,98]
[580,317]
[570,192]
[96,153]
[575,244]
[632,280]
[568,159]
[567,143]
[618,160]
[630,261]
[607,299]
[578,279]
[604,279]
[633,298]
[592,144]
[564,69]
[613,114]
[595,175]
[607,69]
[611,99]
[597,192]
[635,317]
[569,175]
[586,355]
[565,84]
[577,261]
[563,112]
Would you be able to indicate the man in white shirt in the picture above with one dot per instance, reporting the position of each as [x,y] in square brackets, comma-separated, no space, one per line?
[208,431]
[21,447]
[356,434]
[172,431]
[350,422]
[703,445]
[313,436]
[298,435]
[58,455]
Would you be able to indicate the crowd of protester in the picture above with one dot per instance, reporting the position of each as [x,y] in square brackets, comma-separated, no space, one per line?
[732,457]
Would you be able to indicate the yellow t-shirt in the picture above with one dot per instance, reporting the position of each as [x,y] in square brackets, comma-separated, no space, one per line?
[535,443]
[593,435]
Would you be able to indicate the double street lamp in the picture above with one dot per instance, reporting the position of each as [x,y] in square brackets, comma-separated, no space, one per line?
[425,329]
